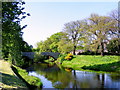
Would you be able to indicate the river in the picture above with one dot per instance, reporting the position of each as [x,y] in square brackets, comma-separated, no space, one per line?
[53,76]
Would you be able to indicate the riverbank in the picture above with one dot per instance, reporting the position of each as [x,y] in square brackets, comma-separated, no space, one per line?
[31,81]
[16,77]
[95,62]
[8,79]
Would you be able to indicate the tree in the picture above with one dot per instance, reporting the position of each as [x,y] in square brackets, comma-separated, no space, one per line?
[44,46]
[100,28]
[51,44]
[39,44]
[25,47]
[65,46]
[12,14]
[55,39]
[75,30]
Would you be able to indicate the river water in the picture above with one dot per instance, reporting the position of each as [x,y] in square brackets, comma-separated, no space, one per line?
[53,76]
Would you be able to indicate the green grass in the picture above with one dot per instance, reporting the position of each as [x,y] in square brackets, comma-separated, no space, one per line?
[99,63]
[30,79]
[8,79]
[11,81]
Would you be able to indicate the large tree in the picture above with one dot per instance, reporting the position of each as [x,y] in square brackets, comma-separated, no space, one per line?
[12,14]
[75,30]
[100,28]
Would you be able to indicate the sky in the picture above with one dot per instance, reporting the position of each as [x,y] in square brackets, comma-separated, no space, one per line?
[48,18]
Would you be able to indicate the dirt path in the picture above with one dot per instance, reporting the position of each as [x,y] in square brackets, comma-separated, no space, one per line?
[7,77]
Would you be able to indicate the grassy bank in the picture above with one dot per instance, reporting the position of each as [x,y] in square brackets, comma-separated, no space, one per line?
[31,80]
[8,80]
[98,63]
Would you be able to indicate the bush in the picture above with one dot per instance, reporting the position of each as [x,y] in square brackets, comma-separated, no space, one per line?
[26,61]
[61,58]
[113,46]
[69,56]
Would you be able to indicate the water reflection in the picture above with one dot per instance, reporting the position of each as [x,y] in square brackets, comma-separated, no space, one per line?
[59,77]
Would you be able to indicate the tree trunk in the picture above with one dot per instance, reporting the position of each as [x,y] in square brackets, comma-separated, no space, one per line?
[102,49]
[74,49]
[97,50]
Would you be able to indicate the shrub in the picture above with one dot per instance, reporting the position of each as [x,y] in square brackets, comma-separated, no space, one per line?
[61,58]
[69,56]
[26,62]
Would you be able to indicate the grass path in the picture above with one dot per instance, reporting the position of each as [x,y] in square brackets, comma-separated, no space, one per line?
[7,77]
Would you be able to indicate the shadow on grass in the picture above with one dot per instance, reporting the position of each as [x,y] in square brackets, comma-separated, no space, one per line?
[12,81]
[110,67]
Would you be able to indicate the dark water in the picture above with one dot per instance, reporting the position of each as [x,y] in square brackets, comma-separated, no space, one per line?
[59,77]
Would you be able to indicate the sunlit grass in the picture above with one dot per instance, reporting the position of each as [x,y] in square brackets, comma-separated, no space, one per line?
[80,61]
[5,67]
[7,77]
[30,79]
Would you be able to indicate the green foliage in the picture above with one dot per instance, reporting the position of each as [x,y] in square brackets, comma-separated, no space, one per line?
[100,27]
[53,47]
[44,46]
[25,47]
[113,46]
[57,42]
[91,34]
[51,58]
[26,62]
[30,79]
[51,44]
[75,32]
[12,42]
[61,58]
[65,46]
[39,58]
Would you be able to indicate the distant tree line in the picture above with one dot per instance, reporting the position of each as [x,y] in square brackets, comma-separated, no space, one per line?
[96,34]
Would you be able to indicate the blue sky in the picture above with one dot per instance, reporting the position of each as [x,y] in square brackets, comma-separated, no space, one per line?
[48,18]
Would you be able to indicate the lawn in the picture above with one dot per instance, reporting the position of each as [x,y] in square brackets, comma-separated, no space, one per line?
[95,62]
